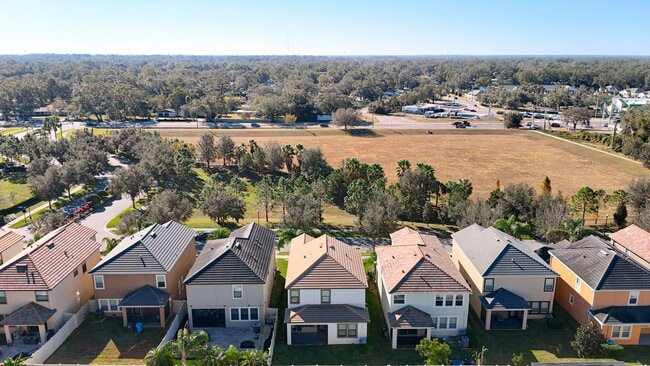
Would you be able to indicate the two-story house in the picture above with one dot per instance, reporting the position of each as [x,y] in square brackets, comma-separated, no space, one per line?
[509,282]
[422,293]
[326,291]
[46,280]
[634,243]
[140,277]
[598,283]
[231,281]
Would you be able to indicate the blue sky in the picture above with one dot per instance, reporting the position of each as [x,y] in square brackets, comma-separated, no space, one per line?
[326,27]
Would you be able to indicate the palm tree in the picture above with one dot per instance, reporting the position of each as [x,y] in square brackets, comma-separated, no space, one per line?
[211,356]
[253,358]
[285,236]
[402,166]
[187,342]
[158,356]
[110,244]
[512,226]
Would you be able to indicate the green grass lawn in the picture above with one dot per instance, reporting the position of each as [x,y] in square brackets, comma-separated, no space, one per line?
[55,205]
[12,130]
[106,342]
[13,189]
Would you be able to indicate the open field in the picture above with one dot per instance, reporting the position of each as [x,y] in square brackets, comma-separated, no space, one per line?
[13,189]
[482,156]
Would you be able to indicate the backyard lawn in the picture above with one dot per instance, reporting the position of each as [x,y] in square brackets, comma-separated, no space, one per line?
[106,342]
[13,189]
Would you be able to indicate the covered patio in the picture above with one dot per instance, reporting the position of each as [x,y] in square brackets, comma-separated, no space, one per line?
[147,305]
[503,309]
[621,320]
[320,324]
[408,326]
[28,323]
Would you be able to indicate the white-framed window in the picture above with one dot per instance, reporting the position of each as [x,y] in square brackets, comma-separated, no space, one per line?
[294,296]
[3,297]
[99,282]
[440,300]
[459,300]
[634,298]
[325,296]
[539,307]
[161,281]
[578,283]
[571,299]
[442,322]
[244,314]
[434,319]
[42,295]
[346,330]
[549,284]
[109,305]
[621,331]
[453,322]
[398,299]
[237,291]
[449,300]
[488,285]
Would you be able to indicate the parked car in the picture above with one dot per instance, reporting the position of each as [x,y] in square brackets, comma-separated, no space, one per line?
[555,124]
[324,125]
[500,112]
[456,123]
[201,236]
[527,115]
[466,123]
[539,115]
[255,125]
[460,126]
[529,124]
[473,110]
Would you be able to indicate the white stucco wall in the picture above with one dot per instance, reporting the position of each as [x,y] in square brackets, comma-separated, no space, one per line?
[355,297]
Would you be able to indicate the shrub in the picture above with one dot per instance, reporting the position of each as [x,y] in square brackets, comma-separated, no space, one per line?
[219,233]
[102,193]
[612,350]
[94,198]
[588,340]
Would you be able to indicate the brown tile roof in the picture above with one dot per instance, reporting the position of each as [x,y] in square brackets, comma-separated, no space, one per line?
[47,262]
[635,239]
[326,313]
[324,263]
[30,314]
[417,262]
[410,317]
[8,239]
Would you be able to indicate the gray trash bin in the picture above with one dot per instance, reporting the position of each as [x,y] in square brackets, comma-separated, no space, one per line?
[464,342]
[257,327]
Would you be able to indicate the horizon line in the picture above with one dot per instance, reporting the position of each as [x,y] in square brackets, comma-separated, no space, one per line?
[316,55]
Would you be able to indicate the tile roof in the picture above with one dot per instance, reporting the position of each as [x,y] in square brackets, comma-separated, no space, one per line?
[613,315]
[635,239]
[145,296]
[410,317]
[324,262]
[29,314]
[326,313]
[503,299]
[493,252]
[601,268]
[154,249]
[417,262]
[242,258]
[9,239]
[44,264]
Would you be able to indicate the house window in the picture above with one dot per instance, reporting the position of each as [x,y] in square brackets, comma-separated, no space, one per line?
[442,322]
[449,300]
[539,307]
[161,281]
[434,319]
[237,291]
[75,272]
[99,282]
[578,283]
[459,300]
[244,314]
[534,307]
[571,299]
[347,330]
[3,297]
[453,322]
[634,298]
[109,305]
[294,296]
[488,285]
[621,331]
[398,299]
[543,307]
[439,300]
[84,268]
[549,284]
[325,296]
[42,296]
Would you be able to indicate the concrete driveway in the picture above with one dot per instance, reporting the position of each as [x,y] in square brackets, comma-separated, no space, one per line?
[100,218]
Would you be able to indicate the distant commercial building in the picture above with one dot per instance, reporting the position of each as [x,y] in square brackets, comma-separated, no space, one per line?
[419,108]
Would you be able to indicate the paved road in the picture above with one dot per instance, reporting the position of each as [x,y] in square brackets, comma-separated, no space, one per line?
[100,217]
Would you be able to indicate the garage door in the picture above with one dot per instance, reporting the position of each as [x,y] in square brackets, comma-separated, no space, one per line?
[208,318]
[409,338]
[309,334]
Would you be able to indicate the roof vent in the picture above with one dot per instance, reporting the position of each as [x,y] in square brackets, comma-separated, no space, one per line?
[237,245]
[153,235]
[603,253]
[584,256]
[50,246]
[66,253]
[21,268]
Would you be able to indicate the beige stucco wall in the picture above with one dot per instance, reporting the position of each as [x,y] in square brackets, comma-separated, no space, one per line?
[220,297]
[11,251]
[355,297]
[332,338]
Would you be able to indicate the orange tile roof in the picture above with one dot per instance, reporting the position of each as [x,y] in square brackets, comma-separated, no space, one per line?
[417,262]
[8,239]
[324,262]
[44,264]
[635,239]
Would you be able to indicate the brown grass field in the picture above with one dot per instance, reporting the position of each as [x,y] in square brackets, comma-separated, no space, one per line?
[481,156]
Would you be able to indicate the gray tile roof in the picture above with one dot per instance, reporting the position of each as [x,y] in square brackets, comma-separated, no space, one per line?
[602,268]
[152,250]
[410,317]
[242,258]
[503,299]
[493,252]
[613,315]
[326,313]
[145,296]
[30,314]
